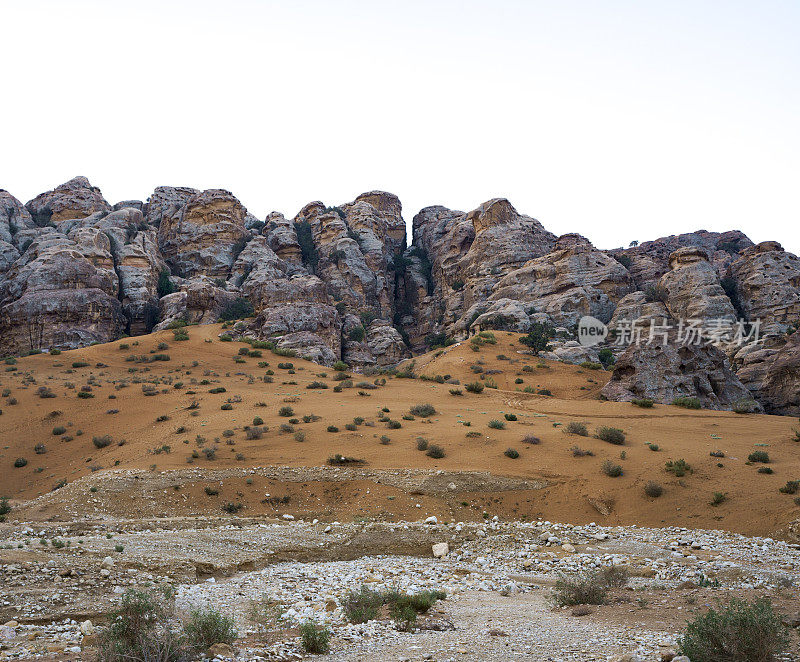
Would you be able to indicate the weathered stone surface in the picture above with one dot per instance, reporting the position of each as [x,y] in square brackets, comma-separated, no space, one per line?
[635,307]
[198,301]
[768,285]
[651,259]
[54,296]
[458,259]
[692,290]
[13,217]
[205,236]
[665,372]
[573,280]
[282,239]
[771,371]
[76,198]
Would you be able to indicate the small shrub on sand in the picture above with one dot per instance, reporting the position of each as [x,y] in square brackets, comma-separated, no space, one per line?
[436,452]
[687,402]
[644,403]
[511,453]
[653,489]
[423,410]
[611,435]
[611,469]
[574,427]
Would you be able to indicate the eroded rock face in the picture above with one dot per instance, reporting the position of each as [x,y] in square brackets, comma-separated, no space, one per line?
[651,259]
[573,280]
[665,372]
[56,296]
[768,285]
[692,288]
[771,371]
[205,236]
[13,217]
[458,259]
[76,198]
[198,301]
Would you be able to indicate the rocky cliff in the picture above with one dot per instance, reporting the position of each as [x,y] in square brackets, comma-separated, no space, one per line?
[341,283]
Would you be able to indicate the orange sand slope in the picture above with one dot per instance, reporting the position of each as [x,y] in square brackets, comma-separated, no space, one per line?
[576,489]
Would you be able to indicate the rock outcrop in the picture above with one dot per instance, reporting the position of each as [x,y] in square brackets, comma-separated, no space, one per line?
[665,372]
[77,198]
[205,235]
[340,282]
[767,282]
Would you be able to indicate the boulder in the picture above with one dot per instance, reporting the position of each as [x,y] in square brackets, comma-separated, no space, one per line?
[76,198]
[663,372]
[692,290]
[205,236]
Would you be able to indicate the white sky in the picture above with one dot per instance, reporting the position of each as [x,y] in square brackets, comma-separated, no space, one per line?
[618,120]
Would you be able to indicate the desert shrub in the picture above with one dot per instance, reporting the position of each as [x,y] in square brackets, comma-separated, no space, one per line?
[332,428]
[206,627]
[5,508]
[574,427]
[511,453]
[315,637]
[745,406]
[644,403]
[85,395]
[496,425]
[286,411]
[579,452]
[613,576]
[317,385]
[586,589]
[211,491]
[758,456]
[265,614]
[717,453]
[456,391]
[510,417]
[393,425]
[422,444]
[79,364]
[678,467]
[765,470]
[791,487]
[232,508]
[737,632]
[40,449]
[45,392]
[544,391]
[423,410]
[611,435]
[59,429]
[538,338]
[436,452]
[591,365]
[102,441]
[474,387]
[687,402]
[210,452]
[238,309]
[717,498]
[362,605]
[653,489]
[140,630]
[253,433]
[531,439]
[20,462]
[611,469]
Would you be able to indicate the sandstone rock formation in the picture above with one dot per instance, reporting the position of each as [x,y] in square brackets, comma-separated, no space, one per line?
[76,198]
[340,282]
[665,372]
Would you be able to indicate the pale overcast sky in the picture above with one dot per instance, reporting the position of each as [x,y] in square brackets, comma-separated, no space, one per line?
[618,120]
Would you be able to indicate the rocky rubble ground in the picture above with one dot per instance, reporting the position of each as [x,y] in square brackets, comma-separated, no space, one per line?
[497,576]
